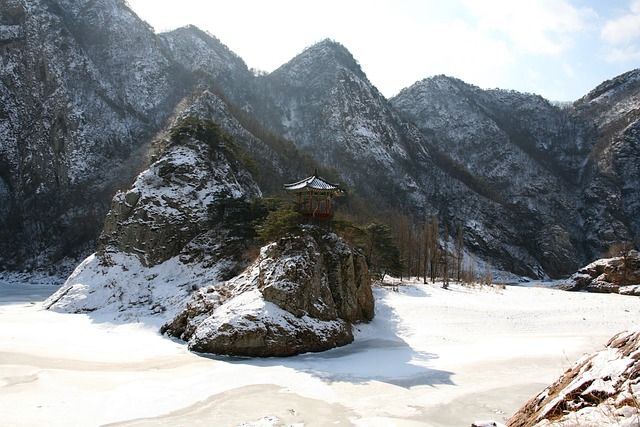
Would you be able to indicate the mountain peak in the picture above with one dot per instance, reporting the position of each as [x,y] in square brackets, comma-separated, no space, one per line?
[326,53]
[624,82]
[438,83]
[330,44]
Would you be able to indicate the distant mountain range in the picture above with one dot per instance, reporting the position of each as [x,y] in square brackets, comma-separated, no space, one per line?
[87,89]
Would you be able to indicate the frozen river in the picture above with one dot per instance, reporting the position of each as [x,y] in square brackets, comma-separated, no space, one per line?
[431,357]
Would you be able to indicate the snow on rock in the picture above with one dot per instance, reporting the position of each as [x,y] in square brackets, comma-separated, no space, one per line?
[174,201]
[601,389]
[302,294]
[182,225]
[174,244]
[616,275]
[126,290]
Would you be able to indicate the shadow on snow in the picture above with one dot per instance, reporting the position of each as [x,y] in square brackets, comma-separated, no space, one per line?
[377,354]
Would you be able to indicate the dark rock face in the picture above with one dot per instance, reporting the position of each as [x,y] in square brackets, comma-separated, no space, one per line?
[562,173]
[188,190]
[301,295]
[600,389]
[330,281]
[612,275]
[82,88]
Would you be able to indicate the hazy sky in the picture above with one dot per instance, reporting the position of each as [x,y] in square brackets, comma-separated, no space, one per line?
[560,49]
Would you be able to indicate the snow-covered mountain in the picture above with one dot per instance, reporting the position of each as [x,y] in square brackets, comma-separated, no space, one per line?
[87,89]
[565,171]
[323,101]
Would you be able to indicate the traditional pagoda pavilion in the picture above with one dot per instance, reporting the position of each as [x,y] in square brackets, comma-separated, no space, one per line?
[315,196]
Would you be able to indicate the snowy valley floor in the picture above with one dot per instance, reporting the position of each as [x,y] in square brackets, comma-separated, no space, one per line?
[431,357]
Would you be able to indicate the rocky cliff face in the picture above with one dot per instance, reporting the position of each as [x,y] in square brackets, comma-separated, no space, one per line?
[302,294]
[83,85]
[502,139]
[553,167]
[323,102]
[209,63]
[600,389]
[610,202]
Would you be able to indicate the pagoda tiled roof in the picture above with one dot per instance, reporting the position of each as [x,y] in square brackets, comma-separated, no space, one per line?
[313,182]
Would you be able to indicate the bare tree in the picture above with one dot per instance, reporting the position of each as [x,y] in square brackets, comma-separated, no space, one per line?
[623,250]
[435,248]
[426,237]
[469,274]
[488,274]
[445,259]
[459,252]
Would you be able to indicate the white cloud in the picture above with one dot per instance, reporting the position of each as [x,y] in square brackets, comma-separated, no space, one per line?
[624,29]
[622,33]
[451,47]
[538,27]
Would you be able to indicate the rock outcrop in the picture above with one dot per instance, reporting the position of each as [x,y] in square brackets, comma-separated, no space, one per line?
[610,275]
[184,223]
[302,294]
[175,243]
[602,389]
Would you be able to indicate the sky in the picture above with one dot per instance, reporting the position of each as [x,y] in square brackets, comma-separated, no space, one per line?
[560,49]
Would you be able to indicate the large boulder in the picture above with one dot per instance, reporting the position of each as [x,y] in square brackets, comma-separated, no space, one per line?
[601,389]
[612,275]
[302,294]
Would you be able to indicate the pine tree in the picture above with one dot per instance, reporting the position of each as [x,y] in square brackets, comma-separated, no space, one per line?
[278,224]
[381,252]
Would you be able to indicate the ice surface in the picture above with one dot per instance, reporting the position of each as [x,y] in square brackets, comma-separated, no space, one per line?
[431,357]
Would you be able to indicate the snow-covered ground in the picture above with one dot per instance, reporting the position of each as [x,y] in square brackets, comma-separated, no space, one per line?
[431,357]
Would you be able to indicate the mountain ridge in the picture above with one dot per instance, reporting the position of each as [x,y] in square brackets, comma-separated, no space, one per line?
[528,180]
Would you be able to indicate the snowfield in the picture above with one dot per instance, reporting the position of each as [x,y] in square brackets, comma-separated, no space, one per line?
[431,357]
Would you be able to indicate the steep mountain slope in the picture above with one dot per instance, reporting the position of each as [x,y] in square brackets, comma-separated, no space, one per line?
[323,102]
[540,158]
[611,173]
[83,84]
[209,62]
